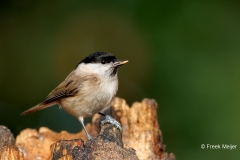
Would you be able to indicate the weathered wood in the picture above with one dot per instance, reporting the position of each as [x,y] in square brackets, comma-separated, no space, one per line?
[63,150]
[107,145]
[140,131]
[10,152]
[6,137]
[140,128]
[36,144]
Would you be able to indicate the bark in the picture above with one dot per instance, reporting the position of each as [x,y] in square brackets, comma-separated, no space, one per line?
[141,138]
[6,136]
[10,152]
[107,145]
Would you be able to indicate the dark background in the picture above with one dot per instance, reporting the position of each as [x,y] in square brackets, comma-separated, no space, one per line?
[184,54]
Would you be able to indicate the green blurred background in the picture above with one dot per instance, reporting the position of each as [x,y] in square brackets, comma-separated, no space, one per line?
[184,54]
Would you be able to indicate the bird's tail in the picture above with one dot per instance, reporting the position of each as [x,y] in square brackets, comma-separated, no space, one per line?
[37,108]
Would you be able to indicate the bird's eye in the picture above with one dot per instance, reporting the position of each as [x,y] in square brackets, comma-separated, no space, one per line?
[103,61]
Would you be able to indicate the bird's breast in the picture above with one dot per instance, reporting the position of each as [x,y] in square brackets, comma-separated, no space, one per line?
[91,99]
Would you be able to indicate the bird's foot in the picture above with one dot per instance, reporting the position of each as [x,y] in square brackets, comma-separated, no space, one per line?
[109,119]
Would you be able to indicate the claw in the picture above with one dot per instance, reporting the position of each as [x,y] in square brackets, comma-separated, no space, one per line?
[109,119]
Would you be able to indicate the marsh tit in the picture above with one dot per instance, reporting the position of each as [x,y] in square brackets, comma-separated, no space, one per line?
[88,89]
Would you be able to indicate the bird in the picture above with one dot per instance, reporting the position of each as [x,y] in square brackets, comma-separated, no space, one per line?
[87,90]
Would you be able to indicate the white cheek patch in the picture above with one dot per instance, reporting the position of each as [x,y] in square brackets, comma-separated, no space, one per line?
[98,68]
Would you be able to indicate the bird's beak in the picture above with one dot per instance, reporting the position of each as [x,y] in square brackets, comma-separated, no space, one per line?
[119,63]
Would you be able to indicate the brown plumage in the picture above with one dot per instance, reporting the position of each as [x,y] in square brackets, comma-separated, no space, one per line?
[87,89]
[68,88]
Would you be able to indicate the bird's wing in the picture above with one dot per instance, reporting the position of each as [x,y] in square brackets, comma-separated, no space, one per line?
[61,92]
[72,85]
[69,87]
[65,89]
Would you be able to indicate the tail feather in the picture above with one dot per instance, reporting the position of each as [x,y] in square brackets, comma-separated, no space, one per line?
[37,108]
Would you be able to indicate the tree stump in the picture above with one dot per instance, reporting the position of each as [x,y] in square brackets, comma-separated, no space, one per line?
[107,145]
[140,139]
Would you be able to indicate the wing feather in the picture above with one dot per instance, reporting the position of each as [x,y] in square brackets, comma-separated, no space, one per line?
[69,87]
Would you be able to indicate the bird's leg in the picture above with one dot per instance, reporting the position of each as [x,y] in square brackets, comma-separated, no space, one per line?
[109,119]
[82,122]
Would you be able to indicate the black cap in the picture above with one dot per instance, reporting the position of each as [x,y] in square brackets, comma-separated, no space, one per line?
[99,57]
